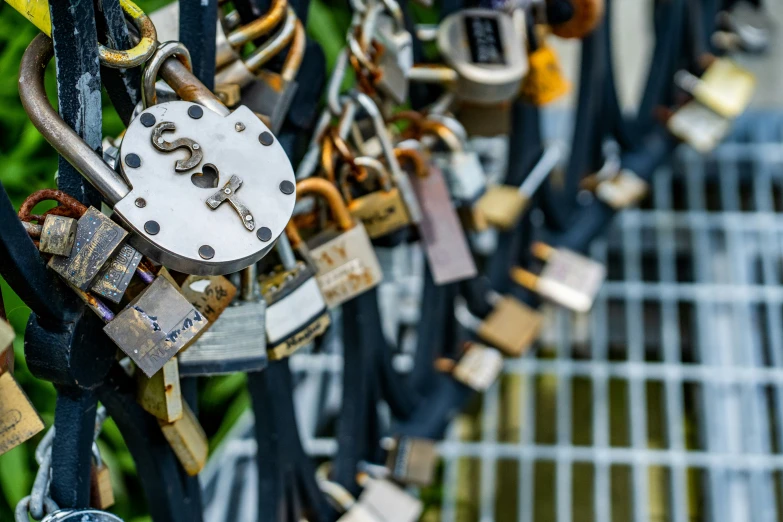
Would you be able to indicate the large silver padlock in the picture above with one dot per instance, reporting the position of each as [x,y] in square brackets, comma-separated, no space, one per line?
[486,50]
[185,209]
[236,341]
[81,515]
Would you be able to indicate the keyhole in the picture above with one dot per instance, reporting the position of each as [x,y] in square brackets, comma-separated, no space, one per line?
[208,178]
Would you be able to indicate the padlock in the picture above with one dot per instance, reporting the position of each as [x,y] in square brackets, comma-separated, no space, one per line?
[101,491]
[745,26]
[296,309]
[117,273]
[587,14]
[380,211]
[18,419]
[57,235]
[725,87]
[7,336]
[269,93]
[478,367]
[503,205]
[544,83]
[188,440]
[168,216]
[462,168]
[511,326]
[486,50]
[160,394]
[411,460]
[442,236]
[236,341]
[98,238]
[156,324]
[485,120]
[81,515]
[698,126]
[384,501]
[568,279]
[343,254]
[623,190]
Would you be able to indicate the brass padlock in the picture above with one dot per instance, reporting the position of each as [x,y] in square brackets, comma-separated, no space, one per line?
[101,491]
[211,295]
[544,82]
[478,367]
[698,126]
[568,279]
[188,440]
[344,256]
[296,309]
[117,273]
[380,211]
[382,501]
[502,205]
[511,326]
[57,235]
[160,395]
[587,14]
[411,460]
[98,238]
[155,325]
[18,419]
[725,87]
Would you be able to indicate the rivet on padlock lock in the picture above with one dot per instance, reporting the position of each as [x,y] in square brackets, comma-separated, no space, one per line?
[380,211]
[442,236]
[181,232]
[568,279]
[296,309]
[486,50]
[236,341]
[411,460]
[725,87]
[503,205]
[344,256]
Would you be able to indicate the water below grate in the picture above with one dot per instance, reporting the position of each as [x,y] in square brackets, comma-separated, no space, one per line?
[664,404]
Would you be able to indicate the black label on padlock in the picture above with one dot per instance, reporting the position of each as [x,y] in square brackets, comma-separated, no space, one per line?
[486,47]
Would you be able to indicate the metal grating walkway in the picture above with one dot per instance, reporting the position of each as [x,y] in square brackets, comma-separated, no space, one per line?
[665,403]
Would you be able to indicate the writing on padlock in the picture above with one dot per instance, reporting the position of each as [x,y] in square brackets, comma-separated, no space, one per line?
[344,256]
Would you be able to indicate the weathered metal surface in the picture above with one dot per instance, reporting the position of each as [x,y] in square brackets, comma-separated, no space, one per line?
[97,239]
[116,275]
[18,419]
[155,326]
[57,235]
[187,440]
[160,395]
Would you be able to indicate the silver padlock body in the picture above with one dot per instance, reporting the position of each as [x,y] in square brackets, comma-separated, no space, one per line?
[479,367]
[397,59]
[390,501]
[347,265]
[168,212]
[487,52]
[236,342]
[271,96]
[294,312]
[571,280]
[464,174]
[81,515]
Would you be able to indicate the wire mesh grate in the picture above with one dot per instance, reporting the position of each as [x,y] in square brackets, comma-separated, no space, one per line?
[665,403]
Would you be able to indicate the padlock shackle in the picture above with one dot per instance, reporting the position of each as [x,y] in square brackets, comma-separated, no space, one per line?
[274,45]
[163,51]
[64,139]
[260,26]
[321,187]
[293,60]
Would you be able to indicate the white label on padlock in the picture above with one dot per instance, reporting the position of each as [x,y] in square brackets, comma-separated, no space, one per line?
[294,310]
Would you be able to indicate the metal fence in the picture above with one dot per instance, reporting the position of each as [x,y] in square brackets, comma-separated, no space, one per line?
[665,403]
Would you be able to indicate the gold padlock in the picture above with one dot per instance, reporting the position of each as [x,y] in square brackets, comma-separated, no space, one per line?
[511,326]
[101,491]
[18,419]
[188,440]
[343,255]
[160,395]
[57,235]
[381,211]
[544,82]
[586,17]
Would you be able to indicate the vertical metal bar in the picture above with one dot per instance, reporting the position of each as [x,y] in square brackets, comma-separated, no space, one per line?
[563,417]
[197,30]
[74,424]
[78,86]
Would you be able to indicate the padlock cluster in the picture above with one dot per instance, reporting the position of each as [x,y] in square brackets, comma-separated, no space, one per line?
[242,227]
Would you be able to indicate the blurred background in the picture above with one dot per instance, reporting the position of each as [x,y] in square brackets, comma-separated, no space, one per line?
[664,404]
